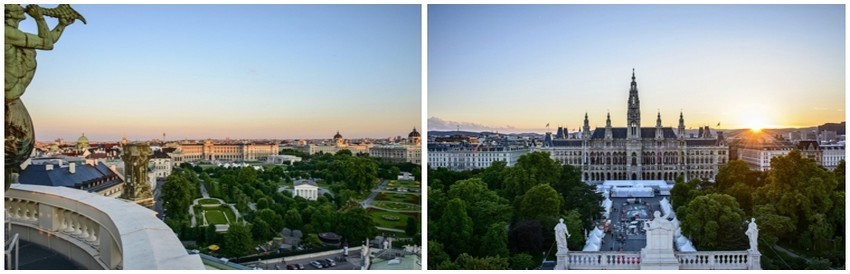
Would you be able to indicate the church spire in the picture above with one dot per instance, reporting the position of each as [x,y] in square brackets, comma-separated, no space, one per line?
[608,133]
[658,120]
[681,132]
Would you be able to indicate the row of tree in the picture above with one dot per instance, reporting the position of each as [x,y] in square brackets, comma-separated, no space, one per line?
[266,210]
[502,217]
[797,204]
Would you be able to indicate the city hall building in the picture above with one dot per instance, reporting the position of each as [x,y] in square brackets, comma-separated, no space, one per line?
[635,152]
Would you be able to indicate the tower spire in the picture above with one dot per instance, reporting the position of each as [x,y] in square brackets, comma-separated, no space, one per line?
[633,121]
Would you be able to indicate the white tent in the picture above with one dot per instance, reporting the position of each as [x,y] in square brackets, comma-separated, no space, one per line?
[632,192]
[666,208]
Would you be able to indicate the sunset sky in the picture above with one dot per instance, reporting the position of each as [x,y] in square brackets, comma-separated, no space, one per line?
[518,67]
[238,71]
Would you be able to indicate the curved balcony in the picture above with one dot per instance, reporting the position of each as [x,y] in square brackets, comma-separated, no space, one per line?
[94,231]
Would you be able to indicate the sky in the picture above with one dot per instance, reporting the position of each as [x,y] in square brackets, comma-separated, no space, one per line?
[517,68]
[237,71]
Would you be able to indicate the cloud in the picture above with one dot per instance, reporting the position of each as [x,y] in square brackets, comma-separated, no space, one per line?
[436,123]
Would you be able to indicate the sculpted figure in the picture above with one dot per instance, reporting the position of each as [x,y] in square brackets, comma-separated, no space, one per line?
[561,235]
[20,68]
[753,234]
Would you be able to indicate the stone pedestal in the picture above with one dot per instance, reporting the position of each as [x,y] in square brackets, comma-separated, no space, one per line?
[562,262]
[658,259]
[754,262]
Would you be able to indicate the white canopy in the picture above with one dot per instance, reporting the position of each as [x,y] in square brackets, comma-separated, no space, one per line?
[632,192]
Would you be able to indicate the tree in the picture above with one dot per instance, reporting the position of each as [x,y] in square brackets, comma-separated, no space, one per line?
[574,223]
[411,227]
[522,261]
[495,242]
[526,236]
[355,224]
[799,189]
[237,241]
[530,170]
[541,202]
[484,206]
[714,222]
[467,262]
[293,219]
[455,228]
[494,175]
[176,196]
[436,254]
[269,216]
[312,239]
[578,195]
[261,231]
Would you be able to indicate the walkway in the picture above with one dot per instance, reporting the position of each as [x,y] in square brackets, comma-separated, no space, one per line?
[371,198]
[36,257]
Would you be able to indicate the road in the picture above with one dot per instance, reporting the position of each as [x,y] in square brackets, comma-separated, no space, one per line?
[352,262]
[371,198]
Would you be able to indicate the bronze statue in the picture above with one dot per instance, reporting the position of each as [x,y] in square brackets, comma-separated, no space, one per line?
[20,69]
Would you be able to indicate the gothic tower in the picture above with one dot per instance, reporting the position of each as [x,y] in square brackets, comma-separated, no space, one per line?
[681,132]
[634,110]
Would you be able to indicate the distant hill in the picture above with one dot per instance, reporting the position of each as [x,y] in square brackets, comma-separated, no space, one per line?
[474,133]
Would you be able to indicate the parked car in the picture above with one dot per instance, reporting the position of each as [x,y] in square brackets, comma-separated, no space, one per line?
[330,261]
[324,263]
[316,264]
[291,267]
[299,266]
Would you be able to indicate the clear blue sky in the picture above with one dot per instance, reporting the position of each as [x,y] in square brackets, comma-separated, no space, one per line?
[519,67]
[238,71]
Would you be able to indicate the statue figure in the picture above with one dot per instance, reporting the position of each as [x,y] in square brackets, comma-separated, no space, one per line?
[753,234]
[20,69]
[561,235]
[659,232]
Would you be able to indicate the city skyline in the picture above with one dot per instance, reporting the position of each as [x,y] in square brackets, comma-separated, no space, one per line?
[517,68]
[238,71]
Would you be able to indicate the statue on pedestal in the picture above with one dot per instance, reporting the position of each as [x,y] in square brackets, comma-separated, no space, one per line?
[753,234]
[561,235]
[659,253]
[20,69]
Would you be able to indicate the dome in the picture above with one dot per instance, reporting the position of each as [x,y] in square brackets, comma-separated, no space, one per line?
[413,133]
[82,142]
[337,136]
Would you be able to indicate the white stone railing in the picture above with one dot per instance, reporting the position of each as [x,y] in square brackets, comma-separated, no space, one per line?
[94,231]
[715,260]
[603,260]
[728,260]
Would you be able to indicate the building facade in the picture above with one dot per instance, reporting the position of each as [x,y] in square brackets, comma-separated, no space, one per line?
[758,154]
[832,154]
[465,155]
[635,152]
[233,152]
[409,151]
[306,189]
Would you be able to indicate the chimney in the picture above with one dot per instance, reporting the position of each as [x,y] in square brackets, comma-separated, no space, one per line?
[48,167]
[72,167]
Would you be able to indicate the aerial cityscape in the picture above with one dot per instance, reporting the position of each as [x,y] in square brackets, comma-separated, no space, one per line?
[557,137]
[596,137]
[163,137]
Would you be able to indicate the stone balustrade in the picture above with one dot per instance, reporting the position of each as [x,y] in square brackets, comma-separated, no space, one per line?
[714,260]
[735,260]
[603,260]
[94,231]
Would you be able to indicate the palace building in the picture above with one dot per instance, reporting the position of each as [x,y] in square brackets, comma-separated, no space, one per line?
[634,152]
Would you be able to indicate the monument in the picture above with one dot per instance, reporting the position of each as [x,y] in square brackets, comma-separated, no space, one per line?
[20,68]
[754,254]
[561,236]
[658,253]
[136,186]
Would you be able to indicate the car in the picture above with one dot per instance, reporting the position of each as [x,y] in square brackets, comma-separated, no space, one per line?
[291,267]
[325,264]
[316,264]
[330,261]
[299,266]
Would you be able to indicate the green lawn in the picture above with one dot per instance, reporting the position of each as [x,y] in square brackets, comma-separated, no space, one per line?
[407,184]
[215,217]
[398,197]
[208,201]
[378,218]
[396,206]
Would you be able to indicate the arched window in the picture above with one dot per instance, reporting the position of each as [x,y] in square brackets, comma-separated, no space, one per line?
[634,160]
